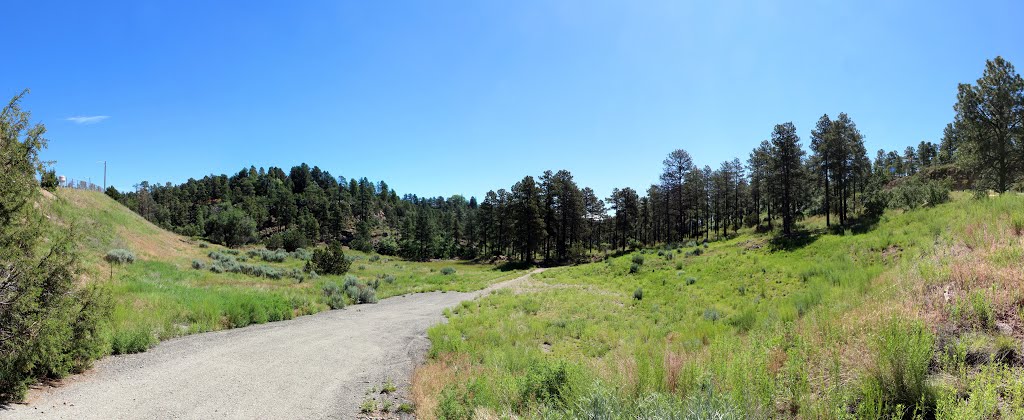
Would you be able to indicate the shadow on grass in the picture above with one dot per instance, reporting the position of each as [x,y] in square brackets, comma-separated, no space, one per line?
[795,240]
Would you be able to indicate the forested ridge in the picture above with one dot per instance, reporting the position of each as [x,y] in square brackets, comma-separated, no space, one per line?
[552,217]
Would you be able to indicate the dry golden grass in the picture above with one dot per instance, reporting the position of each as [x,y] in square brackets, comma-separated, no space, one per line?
[429,379]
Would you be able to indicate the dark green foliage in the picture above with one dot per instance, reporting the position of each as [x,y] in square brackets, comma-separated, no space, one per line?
[989,124]
[113,193]
[638,259]
[49,180]
[690,280]
[634,268]
[447,271]
[290,240]
[387,246]
[231,227]
[330,260]
[638,294]
[48,327]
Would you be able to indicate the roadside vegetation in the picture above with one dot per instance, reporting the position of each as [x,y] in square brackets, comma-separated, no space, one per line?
[918,317]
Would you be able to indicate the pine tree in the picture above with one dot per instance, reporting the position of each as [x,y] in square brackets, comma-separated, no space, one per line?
[787,172]
[991,123]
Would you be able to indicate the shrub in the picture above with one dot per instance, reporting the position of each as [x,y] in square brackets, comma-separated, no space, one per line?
[634,268]
[198,265]
[447,271]
[638,294]
[374,258]
[119,256]
[269,255]
[331,260]
[335,299]
[389,279]
[690,280]
[638,259]
[387,246]
[361,293]
[302,254]
[712,314]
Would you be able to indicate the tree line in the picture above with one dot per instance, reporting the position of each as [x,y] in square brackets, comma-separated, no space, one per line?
[552,218]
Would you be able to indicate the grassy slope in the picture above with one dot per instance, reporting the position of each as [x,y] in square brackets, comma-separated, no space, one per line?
[818,331]
[160,296]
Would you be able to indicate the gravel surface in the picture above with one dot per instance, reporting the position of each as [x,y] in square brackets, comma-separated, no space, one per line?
[317,366]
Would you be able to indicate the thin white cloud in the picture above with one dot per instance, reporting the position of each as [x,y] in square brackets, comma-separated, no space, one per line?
[88,119]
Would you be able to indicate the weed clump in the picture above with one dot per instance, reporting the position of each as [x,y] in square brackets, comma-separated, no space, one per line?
[447,271]
[898,380]
[712,314]
[638,294]
[198,265]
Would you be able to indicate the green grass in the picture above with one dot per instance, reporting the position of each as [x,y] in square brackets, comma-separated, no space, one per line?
[743,329]
[161,295]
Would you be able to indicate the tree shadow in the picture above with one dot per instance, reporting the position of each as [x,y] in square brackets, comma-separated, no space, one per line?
[793,241]
[856,226]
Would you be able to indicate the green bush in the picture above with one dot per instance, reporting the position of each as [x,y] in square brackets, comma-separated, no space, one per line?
[690,281]
[634,268]
[198,265]
[330,260]
[712,314]
[638,259]
[638,294]
[447,271]
[387,246]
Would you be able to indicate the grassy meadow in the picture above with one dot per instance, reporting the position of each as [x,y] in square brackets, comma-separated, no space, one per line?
[161,295]
[916,316]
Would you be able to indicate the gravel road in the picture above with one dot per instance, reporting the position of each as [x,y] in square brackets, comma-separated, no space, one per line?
[317,366]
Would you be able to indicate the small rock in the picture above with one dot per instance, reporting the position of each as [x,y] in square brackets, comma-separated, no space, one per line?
[1004,328]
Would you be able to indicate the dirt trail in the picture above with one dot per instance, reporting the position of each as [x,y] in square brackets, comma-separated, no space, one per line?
[317,366]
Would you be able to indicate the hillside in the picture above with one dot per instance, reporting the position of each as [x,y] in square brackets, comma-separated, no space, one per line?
[102,224]
[178,286]
[921,315]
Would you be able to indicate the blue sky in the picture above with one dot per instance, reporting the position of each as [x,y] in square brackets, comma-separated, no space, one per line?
[445,97]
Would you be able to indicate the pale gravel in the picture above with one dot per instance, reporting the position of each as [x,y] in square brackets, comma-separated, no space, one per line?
[317,366]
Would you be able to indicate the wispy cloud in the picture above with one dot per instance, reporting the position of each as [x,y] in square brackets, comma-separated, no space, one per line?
[88,119]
